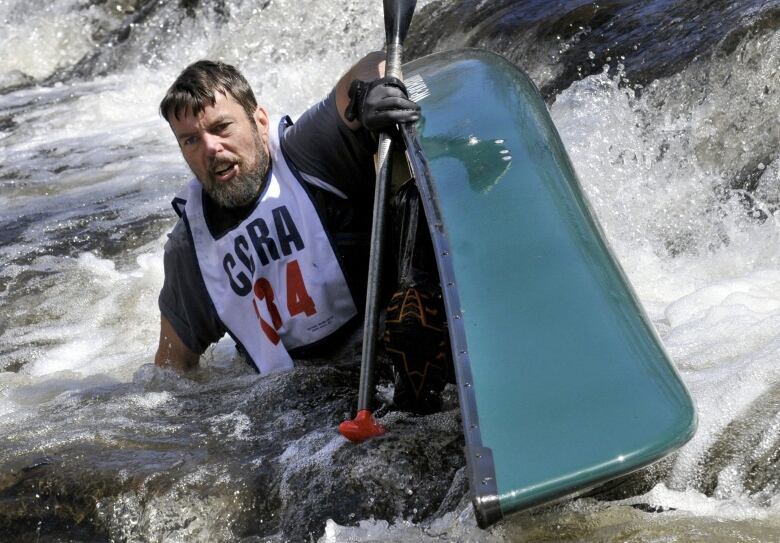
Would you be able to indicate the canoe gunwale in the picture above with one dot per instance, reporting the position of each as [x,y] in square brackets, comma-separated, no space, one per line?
[479,459]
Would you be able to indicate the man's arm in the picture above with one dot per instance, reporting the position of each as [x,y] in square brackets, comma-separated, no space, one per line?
[172,352]
[368,68]
[365,98]
[325,145]
[188,322]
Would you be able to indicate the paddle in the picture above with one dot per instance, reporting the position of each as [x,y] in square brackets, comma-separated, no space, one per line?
[398,16]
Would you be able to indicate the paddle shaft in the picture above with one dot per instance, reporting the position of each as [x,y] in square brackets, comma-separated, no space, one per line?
[371,324]
[398,15]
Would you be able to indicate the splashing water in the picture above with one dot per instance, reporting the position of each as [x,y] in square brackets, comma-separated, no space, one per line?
[682,172]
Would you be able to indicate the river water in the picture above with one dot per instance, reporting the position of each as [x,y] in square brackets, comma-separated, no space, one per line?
[670,110]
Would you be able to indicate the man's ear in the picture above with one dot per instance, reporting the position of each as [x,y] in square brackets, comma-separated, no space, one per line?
[261,119]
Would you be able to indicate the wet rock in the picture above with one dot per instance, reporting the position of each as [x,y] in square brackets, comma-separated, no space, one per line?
[40,499]
[9,81]
[404,474]
[562,43]
[226,455]
[746,454]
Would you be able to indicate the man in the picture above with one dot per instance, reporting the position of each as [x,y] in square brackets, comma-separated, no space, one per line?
[267,248]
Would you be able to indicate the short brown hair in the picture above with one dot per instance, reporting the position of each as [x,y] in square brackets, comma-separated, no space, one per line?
[194,89]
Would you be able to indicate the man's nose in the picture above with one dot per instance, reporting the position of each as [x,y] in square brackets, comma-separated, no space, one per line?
[213,144]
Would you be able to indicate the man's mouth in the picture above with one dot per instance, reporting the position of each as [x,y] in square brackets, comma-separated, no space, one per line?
[225,172]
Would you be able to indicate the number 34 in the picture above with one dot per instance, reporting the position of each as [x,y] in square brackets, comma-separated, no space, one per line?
[298,300]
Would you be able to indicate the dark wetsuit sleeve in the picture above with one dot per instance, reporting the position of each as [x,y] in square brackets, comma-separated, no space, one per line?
[320,144]
[183,299]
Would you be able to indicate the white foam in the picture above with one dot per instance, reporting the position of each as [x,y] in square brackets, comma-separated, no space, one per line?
[690,502]
[49,36]
[453,526]
[235,425]
[100,321]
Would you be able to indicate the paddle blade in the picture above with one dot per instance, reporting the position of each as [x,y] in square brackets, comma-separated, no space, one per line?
[362,427]
[398,17]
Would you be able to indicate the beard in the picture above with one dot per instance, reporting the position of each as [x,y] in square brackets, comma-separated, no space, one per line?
[245,186]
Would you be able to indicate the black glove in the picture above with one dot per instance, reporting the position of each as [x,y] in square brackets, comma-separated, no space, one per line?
[381,104]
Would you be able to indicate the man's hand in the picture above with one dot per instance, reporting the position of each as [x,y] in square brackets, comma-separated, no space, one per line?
[380,104]
[172,352]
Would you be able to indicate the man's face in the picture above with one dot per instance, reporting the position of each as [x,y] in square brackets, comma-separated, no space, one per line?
[226,150]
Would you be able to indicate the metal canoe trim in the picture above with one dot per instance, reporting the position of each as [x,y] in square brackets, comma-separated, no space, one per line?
[479,459]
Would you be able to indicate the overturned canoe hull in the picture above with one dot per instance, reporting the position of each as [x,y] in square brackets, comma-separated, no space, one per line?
[563,382]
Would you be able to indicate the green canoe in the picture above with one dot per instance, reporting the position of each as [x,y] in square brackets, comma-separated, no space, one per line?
[563,382]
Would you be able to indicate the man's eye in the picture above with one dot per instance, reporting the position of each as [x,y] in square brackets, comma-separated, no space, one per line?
[190,140]
[220,128]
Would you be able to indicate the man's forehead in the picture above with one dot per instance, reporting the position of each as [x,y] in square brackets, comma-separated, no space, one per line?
[225,106]
[224,103]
